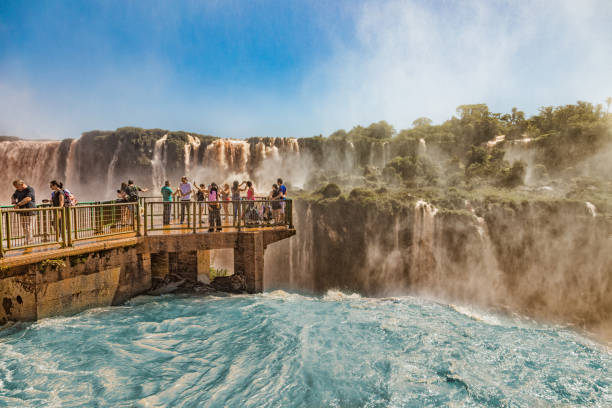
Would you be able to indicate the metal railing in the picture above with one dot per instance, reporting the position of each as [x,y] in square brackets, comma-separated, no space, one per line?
[216,215]
[61,226]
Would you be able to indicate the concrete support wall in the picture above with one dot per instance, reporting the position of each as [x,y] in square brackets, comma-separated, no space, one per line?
[249,260]
[184,264]
[70,280]
[74,283]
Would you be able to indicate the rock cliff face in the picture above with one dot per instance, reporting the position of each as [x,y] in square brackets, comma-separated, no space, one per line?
[550,260]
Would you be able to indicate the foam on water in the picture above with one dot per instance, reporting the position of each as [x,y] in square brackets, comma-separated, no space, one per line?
[285,349]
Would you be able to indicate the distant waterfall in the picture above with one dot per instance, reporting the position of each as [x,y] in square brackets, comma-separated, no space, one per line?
[110,176]
[36,162]
[158,163]
[423,263]
[229,155]
[191,150]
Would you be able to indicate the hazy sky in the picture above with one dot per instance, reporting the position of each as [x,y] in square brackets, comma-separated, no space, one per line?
[290,68]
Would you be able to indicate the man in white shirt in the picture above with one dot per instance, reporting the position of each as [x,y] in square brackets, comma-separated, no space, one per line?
[184,191]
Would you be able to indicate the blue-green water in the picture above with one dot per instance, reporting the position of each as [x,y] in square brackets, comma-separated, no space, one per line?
[280,349]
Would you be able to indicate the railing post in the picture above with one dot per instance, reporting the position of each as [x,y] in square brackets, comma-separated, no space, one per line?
[199,215]
[195,203]
[61,227]
[45,230]
[1,236]
[68,226]
[239,214]
[9,245]
[145,220]
[138,217]
[290,213]
[152,212]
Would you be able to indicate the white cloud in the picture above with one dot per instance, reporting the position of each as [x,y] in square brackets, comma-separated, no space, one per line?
[425,58]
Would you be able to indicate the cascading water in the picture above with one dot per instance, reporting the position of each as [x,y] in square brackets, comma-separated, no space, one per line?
[36,162]
[422,146]
[191,151]
[423,262]
[110,176]
[591,208]
[72,178]
[158,163]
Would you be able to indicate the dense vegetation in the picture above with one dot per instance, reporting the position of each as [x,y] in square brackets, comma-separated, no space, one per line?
[562,152]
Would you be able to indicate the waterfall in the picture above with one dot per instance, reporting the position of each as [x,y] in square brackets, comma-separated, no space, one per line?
[293,145]
[423,262]
[422,146]
[158,163]
[385,154]
[229,155]
[191,149]
[71,164]
[591,208]
[110,175]
[35,162]
[489,276]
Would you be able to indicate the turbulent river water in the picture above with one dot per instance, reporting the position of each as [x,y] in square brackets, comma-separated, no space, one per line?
[281,349]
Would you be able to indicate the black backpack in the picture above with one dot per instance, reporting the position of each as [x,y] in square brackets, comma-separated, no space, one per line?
[132,193]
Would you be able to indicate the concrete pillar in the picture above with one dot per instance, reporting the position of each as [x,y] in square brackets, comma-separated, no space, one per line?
[203,266]
[184,264]
[160,265]
[249,260]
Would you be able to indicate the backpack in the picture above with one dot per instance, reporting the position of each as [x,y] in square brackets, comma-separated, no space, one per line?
[132,193]
[69,199]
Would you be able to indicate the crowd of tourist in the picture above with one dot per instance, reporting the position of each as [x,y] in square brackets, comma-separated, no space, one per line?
[212,199]
[24,197]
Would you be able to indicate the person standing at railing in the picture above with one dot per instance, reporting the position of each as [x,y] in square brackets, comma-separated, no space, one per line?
[201,194]
[275,196]
[225,198]
[24,197]
[236,189]
[167,194]
[184,192]
[283,191]
[58,199]
[214,215]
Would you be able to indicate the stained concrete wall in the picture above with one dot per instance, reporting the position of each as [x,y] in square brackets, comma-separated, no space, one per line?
[73,283]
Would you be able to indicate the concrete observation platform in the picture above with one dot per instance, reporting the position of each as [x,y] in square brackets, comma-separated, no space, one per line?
[41,282]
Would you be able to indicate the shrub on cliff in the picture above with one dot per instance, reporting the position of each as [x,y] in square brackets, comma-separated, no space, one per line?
[514,175]
[331,190]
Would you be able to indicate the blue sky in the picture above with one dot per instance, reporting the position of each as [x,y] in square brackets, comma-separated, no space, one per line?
[290,68]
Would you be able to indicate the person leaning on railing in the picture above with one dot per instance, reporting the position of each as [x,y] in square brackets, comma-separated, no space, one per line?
[24,197]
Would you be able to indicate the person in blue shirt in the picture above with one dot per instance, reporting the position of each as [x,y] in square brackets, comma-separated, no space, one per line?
[283,193]
[167,193]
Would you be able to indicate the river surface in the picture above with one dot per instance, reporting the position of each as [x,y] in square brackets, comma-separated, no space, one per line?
[280,349]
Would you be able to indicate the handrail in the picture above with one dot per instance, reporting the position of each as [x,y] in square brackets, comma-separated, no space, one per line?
[216,215]
[63,226]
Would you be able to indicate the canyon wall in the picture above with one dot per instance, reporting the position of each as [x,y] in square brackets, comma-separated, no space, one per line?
[547,259]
